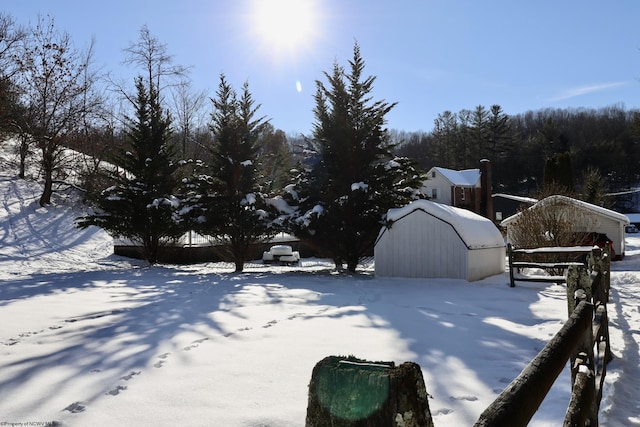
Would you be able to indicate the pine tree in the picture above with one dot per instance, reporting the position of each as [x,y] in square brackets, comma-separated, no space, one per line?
[344,192]
[275,160]
[224,197]
[593,189]
[500,143]
[478,131]
[141,205]
[558,173]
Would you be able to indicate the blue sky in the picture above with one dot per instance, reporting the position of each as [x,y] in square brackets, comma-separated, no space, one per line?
[428,56]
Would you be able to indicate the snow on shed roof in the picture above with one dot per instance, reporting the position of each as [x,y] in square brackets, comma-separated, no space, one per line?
[477,232]
[558,199]
[467,177]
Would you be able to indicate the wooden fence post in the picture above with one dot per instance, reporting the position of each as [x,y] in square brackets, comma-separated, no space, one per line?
[349,392]
[578,287]
[582,409]
[606,269]
[512,282]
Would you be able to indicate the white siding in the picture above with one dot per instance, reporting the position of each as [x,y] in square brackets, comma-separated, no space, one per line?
[442,185]
[486,262]
[422,245]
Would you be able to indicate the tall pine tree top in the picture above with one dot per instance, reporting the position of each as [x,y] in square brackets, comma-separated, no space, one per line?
[140,205]
[224,200]
[342,197]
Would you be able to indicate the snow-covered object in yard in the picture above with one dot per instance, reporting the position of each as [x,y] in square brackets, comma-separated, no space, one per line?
[281,254]
[428,239]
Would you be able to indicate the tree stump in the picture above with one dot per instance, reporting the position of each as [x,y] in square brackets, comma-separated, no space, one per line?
[349,392]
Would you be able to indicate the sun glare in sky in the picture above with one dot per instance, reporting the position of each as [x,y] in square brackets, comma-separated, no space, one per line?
[285,26]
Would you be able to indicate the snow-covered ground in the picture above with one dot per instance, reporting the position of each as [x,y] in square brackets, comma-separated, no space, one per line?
[91,339]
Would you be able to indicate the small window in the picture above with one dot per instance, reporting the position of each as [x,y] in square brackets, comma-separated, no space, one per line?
[434,193]
[498,216]
[462,194]
[433,174]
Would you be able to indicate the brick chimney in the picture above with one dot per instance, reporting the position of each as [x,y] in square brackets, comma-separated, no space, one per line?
[486,201]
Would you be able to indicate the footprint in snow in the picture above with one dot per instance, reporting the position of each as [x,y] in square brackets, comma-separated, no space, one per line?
[116,391]
[162,360]
[467,398]
[443,411]
[130,375]
[270,324]
[14,341]
[195,344]
[75,407]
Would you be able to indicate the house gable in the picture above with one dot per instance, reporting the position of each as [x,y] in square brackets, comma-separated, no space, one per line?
[451,187]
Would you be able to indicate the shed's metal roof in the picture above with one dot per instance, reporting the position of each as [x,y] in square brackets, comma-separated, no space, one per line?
[477,232]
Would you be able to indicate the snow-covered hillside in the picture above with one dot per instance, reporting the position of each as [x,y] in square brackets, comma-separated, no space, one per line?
[89,338]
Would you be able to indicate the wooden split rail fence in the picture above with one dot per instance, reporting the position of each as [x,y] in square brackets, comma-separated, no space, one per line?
[583,339]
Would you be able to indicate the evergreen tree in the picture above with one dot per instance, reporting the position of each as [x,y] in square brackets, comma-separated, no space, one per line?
[500,143]
[499,136]
[478,132]
[593,189]
[140,205]
[344,191]
[275,160]
[445,136]
[225,199]
[558,172]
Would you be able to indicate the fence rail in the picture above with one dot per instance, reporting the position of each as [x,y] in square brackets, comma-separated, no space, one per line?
[556,259]
[583,340]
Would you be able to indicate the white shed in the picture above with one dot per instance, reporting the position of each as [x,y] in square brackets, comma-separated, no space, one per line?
[599,219]
[428,239]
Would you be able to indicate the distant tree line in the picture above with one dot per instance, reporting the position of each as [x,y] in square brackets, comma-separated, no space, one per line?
[605,140]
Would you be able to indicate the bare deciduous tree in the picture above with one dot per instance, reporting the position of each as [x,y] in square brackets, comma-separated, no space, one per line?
[153,57]
[189,112]
[555,221]
[553,225]
[11,37]
[55,80]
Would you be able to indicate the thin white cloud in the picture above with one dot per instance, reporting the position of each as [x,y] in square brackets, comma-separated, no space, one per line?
[584,90]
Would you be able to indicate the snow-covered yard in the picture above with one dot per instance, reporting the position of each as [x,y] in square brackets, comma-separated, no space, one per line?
[89,338]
